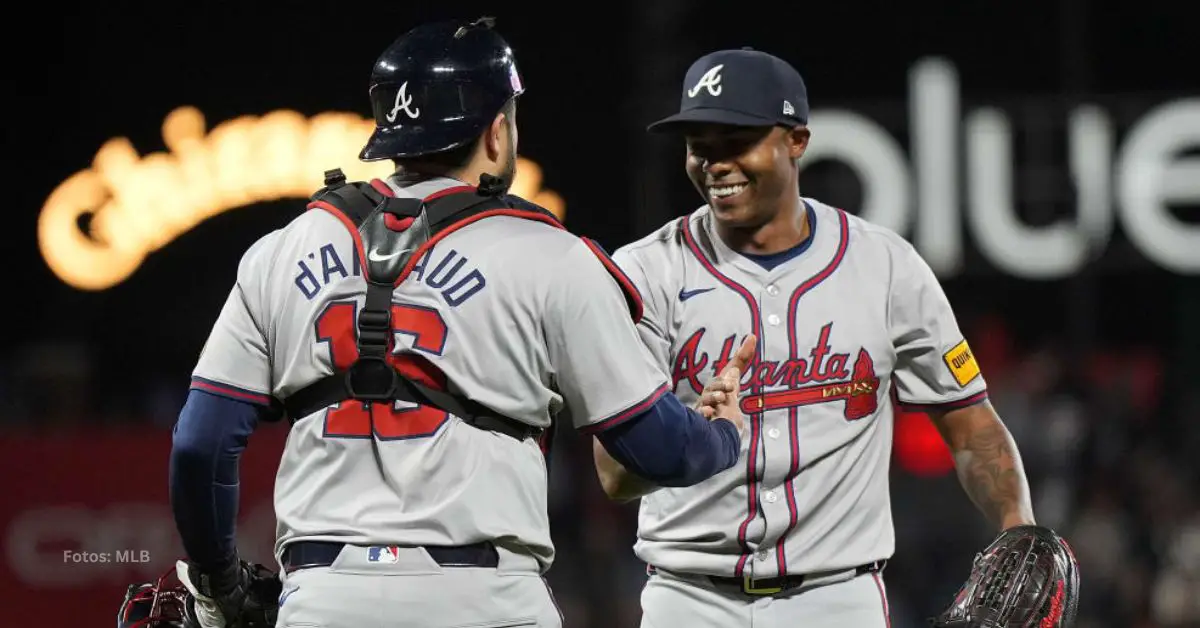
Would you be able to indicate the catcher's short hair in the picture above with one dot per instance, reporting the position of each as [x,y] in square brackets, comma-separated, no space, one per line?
[1027,577]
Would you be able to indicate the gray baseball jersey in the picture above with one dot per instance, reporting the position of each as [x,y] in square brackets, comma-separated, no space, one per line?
[855,317]
[521,316]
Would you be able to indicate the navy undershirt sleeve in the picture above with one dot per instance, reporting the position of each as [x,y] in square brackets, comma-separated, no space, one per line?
[207,442]
[672,445]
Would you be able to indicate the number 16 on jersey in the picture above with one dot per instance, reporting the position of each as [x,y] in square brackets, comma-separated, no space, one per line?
[337,328]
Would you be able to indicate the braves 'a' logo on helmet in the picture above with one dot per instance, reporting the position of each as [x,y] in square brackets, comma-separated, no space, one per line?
[403,103]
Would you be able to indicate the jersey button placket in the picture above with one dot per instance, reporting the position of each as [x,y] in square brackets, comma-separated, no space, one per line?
[775,443]
[772,305]
[772,437]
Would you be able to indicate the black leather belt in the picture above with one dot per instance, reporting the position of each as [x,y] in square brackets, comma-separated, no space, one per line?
[779,584]
[308,554]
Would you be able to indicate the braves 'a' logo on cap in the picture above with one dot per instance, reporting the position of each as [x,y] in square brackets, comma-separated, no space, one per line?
[711,80]
[403,101]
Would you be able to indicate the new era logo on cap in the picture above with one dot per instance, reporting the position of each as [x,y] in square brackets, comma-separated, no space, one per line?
[740,87]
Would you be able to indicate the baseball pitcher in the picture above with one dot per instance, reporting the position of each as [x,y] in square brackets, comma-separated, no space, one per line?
[847,317]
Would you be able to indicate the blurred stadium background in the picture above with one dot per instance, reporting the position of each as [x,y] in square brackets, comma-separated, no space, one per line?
[1043,156]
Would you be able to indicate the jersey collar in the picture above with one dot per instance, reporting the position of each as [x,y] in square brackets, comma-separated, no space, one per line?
[827,236]
[420,188]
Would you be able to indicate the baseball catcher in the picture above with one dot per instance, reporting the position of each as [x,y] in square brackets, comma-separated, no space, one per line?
[422,381]
[1026,578]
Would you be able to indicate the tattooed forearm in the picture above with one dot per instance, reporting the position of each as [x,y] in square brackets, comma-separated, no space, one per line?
[989,465]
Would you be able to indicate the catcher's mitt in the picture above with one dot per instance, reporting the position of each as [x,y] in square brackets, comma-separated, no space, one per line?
[1027,578]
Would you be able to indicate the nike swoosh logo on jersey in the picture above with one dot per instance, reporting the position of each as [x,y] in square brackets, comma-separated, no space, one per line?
[684,295]
[374,255]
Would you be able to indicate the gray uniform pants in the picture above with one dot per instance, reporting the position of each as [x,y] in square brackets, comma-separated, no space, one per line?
[412,591]
[839,600]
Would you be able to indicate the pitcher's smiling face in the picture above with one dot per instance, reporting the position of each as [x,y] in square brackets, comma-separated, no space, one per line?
[744,173]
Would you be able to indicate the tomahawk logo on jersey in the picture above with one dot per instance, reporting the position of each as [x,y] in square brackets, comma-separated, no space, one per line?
[820,376]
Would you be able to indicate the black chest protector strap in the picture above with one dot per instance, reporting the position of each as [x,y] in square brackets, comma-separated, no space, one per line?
[391,235]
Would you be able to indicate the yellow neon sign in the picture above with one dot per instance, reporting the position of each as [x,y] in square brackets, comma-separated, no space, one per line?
[137,205]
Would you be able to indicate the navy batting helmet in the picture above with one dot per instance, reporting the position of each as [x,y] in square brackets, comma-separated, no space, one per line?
[438,87]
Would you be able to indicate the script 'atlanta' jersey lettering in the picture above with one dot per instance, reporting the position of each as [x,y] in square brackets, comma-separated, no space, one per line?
[857,385]
[856,319]
[479,315]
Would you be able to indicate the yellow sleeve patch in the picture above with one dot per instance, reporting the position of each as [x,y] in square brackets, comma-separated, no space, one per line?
[961,363]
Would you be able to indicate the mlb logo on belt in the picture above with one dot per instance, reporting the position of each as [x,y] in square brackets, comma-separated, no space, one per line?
[383,554]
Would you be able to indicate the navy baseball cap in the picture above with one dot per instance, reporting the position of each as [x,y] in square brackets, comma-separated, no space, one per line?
[743,87]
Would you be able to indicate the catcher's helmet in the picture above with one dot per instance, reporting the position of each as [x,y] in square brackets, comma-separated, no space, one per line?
[164,603]
[1027,577]
[438,87]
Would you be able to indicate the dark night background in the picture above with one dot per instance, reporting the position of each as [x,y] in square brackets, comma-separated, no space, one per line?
[1093,372]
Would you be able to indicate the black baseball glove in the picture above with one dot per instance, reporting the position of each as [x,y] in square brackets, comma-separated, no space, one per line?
[1027,577]
[239,596]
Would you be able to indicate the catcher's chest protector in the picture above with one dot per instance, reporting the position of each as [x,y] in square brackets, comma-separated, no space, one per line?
[1027,578]
[390,236]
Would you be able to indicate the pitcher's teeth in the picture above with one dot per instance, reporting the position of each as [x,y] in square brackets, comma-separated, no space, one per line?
[727,190]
